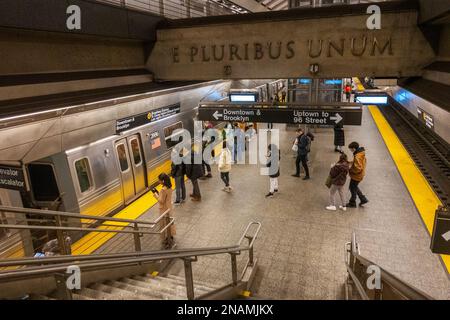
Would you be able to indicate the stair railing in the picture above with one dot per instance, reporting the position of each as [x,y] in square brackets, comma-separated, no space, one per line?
[57,265]
[57,221]
[373,282]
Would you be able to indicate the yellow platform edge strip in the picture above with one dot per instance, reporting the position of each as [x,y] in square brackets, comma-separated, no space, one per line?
[422,194]
[94,240]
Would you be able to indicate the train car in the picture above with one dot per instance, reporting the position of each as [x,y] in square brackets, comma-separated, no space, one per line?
[103,176]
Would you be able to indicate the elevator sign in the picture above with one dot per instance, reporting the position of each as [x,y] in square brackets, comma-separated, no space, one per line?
[308,116]
[12,178]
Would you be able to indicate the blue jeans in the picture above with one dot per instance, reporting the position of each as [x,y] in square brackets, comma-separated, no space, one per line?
[180,189]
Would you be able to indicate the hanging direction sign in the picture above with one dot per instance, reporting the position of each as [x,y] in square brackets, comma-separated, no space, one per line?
[312,116]
[147,117]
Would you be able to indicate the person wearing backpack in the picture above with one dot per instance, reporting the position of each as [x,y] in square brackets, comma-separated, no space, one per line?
[303,143]
[337,179]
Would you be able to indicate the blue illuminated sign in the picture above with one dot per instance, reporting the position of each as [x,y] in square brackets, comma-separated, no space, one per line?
[304,81]
[333,82]
[372,99]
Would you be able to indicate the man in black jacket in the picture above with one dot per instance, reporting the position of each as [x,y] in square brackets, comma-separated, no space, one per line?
[194,171]
[303,147]
[178,172]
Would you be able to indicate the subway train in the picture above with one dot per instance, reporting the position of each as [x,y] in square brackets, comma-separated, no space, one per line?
[103,176]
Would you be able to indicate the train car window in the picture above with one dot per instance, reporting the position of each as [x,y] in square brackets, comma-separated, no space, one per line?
[84,174]
[43,182]
[136,150]
[169,133]
[122,154]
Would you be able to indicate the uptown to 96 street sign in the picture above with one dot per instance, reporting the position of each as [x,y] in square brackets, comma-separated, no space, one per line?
[312,116]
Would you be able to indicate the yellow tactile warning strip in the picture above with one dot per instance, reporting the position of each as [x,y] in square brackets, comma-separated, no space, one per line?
[94,240]
[422,194]
[246,294]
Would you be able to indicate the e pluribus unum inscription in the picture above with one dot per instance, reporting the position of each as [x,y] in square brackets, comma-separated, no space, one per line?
[275,50]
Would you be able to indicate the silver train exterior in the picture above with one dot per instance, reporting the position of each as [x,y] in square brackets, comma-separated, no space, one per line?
[104,175]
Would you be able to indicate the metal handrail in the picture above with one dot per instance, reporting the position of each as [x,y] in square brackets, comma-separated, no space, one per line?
[78,216]
[119,260]
[354,260]
[140,226]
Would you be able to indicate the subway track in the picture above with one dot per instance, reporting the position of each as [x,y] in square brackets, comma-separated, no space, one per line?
[430,153]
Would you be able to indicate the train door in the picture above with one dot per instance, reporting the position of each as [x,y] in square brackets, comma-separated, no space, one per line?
[126,173]
[137,163]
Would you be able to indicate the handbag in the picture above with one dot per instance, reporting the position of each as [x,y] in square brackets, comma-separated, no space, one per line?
[295,147]
[329,181]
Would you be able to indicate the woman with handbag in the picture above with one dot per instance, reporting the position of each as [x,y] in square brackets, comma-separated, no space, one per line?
[336,181]
[164,198]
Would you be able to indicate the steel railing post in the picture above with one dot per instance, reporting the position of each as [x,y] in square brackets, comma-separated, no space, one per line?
[60,236]
[250,252]
[234,274]
[137,238]
[189,278]
[62,292]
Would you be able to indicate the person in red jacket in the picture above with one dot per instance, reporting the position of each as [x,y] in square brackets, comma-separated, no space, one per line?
[338,175]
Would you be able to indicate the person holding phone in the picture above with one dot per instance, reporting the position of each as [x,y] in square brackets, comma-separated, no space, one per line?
[164,198]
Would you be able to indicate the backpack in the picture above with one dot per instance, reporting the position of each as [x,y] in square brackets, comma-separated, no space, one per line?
[308,146]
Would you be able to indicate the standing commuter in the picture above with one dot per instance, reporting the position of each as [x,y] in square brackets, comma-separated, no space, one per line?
[273,163]
[339,137]
[206,167]
[303,148]
[348,91]
[164,198]
[357,172]
[338,177]
[194,171]
[177,172]
[225,167]
[283,96]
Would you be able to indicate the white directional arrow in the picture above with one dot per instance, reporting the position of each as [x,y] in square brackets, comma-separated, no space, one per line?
[337,118]
[446,236]
[216,115]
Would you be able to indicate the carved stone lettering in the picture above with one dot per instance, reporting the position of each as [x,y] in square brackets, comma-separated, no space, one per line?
[339,50]
[222,53]
[310,49]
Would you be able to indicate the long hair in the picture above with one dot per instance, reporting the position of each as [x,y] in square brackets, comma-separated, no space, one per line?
[165,180]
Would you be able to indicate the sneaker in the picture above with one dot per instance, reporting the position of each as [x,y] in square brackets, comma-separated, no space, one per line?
[296,175]
[229,189]
[209,175]
[177,203]
[363,202]
[343,208]
[351,205]
[224,189]
[306,178]
[269,195]
[276,190]
[196,199]
[331,208]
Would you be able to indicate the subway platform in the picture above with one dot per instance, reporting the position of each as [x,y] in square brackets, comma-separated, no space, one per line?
[300,249]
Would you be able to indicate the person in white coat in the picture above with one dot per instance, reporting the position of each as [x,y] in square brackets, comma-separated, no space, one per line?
[224,167]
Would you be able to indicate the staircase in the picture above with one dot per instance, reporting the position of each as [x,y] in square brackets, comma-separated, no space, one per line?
[143,287]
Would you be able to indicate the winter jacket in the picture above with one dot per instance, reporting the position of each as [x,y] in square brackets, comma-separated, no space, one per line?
[269,163]
[338,173]
[193,170]
[177,170]
[339,137]
[358,168]
[304,144]
[165,199]
[225,160]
